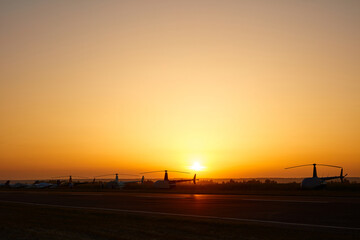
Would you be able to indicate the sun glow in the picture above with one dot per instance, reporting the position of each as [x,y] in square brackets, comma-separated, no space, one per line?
[197,166]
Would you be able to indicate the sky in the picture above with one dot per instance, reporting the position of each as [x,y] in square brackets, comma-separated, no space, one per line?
[244,88]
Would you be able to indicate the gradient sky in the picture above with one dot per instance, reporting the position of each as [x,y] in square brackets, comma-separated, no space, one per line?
[244,87]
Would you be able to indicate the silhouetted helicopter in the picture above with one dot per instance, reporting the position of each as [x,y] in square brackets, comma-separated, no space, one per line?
[315,182]
[70,183]
[119,184]
[166,183]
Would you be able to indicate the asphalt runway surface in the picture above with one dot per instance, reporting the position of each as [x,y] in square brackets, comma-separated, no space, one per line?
[342,213]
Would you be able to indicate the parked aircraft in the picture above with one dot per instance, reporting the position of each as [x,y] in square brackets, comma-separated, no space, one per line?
[166,183]
[36,184]
[70,183]
[316,182]
[119,184]
[7,184]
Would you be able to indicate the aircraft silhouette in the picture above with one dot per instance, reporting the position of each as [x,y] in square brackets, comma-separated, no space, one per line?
[316,182]
[116,183]
[166,183]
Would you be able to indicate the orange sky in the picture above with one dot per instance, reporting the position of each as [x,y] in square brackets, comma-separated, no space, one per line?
[244,87]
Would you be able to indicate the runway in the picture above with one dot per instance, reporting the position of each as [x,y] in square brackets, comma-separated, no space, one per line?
[299,211]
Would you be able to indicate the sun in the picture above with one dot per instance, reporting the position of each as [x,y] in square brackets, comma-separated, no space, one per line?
[197,166]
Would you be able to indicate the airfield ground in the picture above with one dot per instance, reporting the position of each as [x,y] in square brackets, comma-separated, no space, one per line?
[123,215]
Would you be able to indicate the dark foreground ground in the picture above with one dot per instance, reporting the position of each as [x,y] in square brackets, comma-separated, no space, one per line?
[116,215]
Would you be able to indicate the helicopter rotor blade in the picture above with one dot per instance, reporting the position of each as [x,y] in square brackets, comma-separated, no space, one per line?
[69,176]
[82,177]
[112,174]
[105,175]
[164,171]
[315,164]
[128,174]
[180,172]
[300,166]
[151,172]
[328,165]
